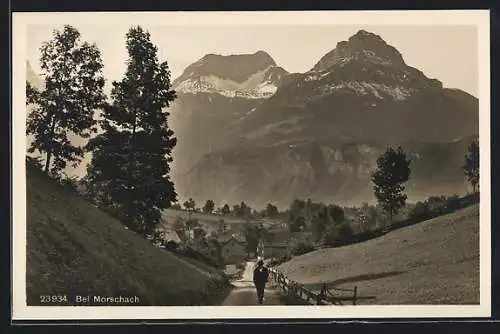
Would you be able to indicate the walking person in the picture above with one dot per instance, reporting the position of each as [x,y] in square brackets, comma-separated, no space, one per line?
[260,277]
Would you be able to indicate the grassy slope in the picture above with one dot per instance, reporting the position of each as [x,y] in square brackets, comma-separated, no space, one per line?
[434,262]
[75,248]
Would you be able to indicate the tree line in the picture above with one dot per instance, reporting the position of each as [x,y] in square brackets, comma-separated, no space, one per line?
[241,210]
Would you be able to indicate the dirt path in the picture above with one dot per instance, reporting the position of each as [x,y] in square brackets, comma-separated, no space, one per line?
[244,292]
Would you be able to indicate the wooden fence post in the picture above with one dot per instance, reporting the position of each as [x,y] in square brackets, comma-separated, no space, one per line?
[296,290]
[355,295]
[320,294]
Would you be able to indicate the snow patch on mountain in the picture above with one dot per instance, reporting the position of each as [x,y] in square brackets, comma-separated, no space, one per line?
[255,87]
[363,88]
[313,75]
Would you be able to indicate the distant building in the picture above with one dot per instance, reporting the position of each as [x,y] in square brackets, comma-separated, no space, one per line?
[232,249]
[239,237]
[260,249]
[169,234]
[189,234]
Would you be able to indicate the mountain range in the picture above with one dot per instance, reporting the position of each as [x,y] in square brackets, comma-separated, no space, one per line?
[250,131]
[319,134]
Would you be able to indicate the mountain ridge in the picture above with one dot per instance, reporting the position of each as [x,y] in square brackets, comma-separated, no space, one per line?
[350,81]
[362,95]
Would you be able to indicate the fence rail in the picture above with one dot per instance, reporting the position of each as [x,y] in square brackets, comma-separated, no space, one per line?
[326,296]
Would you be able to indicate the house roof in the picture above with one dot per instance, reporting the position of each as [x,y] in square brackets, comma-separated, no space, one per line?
[227,239]
[170,234]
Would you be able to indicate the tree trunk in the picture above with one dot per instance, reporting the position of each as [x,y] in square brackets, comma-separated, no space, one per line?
[47,161]
[390,213]
[49,150]
[133,143]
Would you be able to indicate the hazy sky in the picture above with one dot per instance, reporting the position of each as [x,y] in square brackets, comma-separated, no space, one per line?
[447,53]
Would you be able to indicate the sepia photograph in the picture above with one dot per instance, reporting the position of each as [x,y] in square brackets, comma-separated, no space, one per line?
[246,159]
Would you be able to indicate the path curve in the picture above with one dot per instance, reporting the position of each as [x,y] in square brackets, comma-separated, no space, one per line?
[244,292]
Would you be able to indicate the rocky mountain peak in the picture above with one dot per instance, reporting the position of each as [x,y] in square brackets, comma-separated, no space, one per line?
[253,75]
[362,46]
[234,67]
[366,35]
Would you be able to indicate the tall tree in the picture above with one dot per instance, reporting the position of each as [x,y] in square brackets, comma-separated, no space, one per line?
[393,170]
[297,206]
[73,91]
[336,214]
[308,209]
[222,227]
[189,205]
[319,222]
[176,206]
[236,209]
[371,215]
[245,210]
[131,157]
[225,210]
[471,166]
[253,233]
[271,210]
[296,222]
[209,206]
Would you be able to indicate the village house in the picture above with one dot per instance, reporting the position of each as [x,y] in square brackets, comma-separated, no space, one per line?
[165,234]
[232,249]
[171,235]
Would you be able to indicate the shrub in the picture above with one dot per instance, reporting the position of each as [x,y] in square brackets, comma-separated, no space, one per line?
[337,234]
[331,236]
[346,231]
[296,223]
[436,204]
[452,204]
[69,182]
[420,211]
[196,255]
[171,245]
[362,223]
[35,162]
[302,248]
[336,213]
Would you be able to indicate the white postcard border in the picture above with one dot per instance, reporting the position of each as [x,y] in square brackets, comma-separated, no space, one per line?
[20,21]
